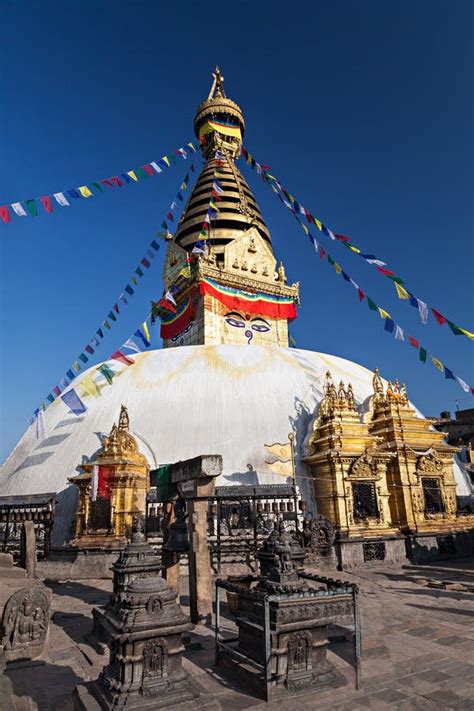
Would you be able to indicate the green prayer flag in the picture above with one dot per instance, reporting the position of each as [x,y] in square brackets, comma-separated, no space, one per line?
[330,260]
[372,305]
[395,278]
[139,272]
[83,357]
[161,478]
[423,355]
[141,173]
[112,316]
[134,281]
[106,372]
[98,187]
[32,207]
[51,397]
[455,329]
[106,324]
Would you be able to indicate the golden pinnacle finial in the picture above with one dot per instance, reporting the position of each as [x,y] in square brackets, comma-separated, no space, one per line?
[124,421]
[217,88]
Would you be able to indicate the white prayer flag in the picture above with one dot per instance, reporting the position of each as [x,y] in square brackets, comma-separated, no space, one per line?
[423,311]
[19,209]
[130,343]
[61,199]
[155,166]
[94,482]
[169,297]
[464,385]
[399,333]
[40,425]
[331,234]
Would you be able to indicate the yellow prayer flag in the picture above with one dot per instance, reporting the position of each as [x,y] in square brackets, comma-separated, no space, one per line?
[305,229]
[467,333]
[131,173]
[402,293]
[318,224]
[437,363]
[85,192]
[220,127]
[185,272]
[354,249]
[383,313]
[337,268]
[167,161]
[145,330]
[90,386]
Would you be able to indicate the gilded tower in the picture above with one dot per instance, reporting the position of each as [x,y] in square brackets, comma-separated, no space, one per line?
[221,279]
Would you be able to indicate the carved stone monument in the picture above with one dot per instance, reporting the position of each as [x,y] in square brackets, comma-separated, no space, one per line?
[143,624]
[283,623]
[25,624]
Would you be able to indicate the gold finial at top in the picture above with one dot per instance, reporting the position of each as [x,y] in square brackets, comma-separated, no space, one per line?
[124,420]
[377,382]
[217,88]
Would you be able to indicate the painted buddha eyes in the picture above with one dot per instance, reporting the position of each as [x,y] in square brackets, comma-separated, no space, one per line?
[238,321]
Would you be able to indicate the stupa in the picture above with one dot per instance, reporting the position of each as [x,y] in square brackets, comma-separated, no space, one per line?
[225,381]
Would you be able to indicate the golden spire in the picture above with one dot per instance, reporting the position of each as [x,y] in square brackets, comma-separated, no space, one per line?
[217,88]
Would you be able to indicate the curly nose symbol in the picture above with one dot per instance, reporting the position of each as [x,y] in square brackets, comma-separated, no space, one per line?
[248,335]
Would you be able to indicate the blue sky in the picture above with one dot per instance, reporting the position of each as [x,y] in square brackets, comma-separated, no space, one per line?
[362,109]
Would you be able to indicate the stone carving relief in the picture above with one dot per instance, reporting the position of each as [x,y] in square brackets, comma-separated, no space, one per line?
[299,651]
[318,536]
[155,660]
[429,463]
[363,467]
[25,623]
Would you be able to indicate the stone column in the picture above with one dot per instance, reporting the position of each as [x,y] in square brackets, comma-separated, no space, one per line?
[28,549]
[170,559]
[200,575]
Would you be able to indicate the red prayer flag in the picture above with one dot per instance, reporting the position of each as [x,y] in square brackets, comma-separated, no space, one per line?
[46,200]
[116,308]
[145,262]
[322,252]
[361,294]
[105,482]
[309,216]
[439,317]
[118,355]
[170,216]
[108,182]
[385,271]
[148,169]
[57,391]
[414,342]
[116,181]
[342,238]
[5,214]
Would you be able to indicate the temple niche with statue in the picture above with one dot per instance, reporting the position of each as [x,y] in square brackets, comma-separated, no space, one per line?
[295,431]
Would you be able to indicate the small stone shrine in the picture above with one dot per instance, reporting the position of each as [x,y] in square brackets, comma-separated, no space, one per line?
[143,623]
[283,623]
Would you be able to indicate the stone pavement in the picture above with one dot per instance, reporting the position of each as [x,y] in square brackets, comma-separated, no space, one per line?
[417,647]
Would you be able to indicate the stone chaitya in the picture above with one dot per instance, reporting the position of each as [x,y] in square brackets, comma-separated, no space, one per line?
[283,623]
[144,625]
[112,489]
[381,477]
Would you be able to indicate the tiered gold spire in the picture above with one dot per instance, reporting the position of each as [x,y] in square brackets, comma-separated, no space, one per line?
[238,209]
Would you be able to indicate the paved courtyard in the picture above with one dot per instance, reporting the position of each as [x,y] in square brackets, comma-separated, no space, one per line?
[417,647]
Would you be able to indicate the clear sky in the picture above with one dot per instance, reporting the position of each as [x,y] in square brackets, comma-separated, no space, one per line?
[362,109]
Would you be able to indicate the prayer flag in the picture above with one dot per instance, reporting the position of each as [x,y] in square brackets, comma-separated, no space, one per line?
[5,214]
[146,331]
[116,308]
[389,325]
[63,383]
[423,355]
[112,316]
[399,333]
[423,311]
[461,382]
[89,349]
[150,253]
[372,305]
[342,238]
[32,207]
[116,181]
[70,374]
[84,358]
[95,342]
[455,329]
[322,253]
[141,173]
[140,333]
[90,386]
[51,397]
[387,272]
[155,245]
[131,173]
[145,262]
[468,334]
[165,160]
[100,332]
[414,342]
[40,425]
[383,313]
[437,363]
[139,272]
[94,482]
[148,169]
[98,187]
[199,247]
[56,391]
[123,299]
[134,281]
[361,294]
[19,210]
[108,182]
[156,166]
[129,290]
[74,402]
[131,345]
[47,204]
[77,366]
[402,293]
[126,177]
[74,194]
[61,199]
[439,317]
[448,374]
[107,372]
[85,192]
[169,297]
[118,355]
[170,216]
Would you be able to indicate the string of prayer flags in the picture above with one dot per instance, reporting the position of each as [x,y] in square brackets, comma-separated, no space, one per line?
[389,324]
[401,290]
[74,402]
[23,208]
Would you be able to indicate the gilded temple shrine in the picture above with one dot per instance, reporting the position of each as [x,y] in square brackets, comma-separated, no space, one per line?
[112,489]
[383,478]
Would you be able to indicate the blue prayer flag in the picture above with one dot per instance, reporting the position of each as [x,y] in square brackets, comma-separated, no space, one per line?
[140,334]
[448,374]
[129,290]
[70,374]
[389,325]
[74,194]
[74,402]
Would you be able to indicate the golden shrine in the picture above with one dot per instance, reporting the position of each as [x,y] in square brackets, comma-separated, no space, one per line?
[385,476]
[112,489]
